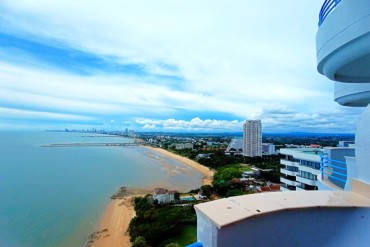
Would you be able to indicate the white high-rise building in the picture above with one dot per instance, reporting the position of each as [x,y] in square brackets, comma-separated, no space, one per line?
[252,138]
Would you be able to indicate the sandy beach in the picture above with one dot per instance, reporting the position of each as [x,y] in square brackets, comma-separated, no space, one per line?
[114,224]
[207,173]
[115,221]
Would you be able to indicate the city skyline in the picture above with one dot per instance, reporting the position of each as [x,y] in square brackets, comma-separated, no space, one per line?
[164,66]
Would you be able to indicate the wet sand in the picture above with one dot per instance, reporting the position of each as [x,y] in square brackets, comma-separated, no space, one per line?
[207,173]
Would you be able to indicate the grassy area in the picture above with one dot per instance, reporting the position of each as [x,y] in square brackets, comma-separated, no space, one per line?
[241,167]
[187,236]
[245,168]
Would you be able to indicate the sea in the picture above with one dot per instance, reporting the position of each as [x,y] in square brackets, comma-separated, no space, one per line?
[56,196]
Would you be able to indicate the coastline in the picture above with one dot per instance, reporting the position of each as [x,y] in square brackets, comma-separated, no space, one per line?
[207,173]
[116,218]
[115,221]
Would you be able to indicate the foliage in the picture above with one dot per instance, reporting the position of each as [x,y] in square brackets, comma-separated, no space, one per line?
[207,190]
[223,176]
[172,245]
[234,192]
[156,224]
[268,162]
[187,235]
[139,242]
[219,159]
[227,173]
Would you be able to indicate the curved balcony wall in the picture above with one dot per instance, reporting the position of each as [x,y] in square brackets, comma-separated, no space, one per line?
[352,94]
[343,42]
[303,218]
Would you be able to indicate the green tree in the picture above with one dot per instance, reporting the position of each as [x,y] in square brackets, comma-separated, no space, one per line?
[139,242]
[207,190]
[172,245]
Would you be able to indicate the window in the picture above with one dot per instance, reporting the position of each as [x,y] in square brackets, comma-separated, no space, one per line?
[312,164]
[308,175]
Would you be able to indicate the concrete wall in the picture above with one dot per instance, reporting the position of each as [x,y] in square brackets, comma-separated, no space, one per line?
[329,227]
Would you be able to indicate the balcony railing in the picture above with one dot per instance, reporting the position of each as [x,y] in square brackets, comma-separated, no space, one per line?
[326,9]
[334,169]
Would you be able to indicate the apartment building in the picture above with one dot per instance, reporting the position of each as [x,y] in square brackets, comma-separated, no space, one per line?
[252,138]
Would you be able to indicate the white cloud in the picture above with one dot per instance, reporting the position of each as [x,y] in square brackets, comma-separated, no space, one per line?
[193,124]
[247,59]
[18,114]
[149,126]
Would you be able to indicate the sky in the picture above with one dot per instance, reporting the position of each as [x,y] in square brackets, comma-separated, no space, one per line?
[165,65]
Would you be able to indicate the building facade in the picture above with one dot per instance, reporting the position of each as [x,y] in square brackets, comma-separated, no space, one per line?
[301,166]
[314,168]
[268,149]
[252,138]
[162,195]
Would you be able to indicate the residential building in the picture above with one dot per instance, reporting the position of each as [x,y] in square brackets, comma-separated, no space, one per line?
[268,149]
[131,133]
[333,218]
[162,195]
[181,146]
[200,156]
[252,138]
[345,143]
[302,168]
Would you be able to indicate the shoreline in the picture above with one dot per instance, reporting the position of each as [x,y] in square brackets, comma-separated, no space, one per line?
[205,171]
[116,218]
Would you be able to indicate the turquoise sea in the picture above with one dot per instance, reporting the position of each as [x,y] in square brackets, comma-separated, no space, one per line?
[55,196]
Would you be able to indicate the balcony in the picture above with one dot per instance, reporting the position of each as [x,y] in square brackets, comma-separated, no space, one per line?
[339,219]
[352,94]
[288,172]
[309,169]
[343,41]
[288,181]
[306,181]
[335,171]
[284,187]
[299,189]
[289,163]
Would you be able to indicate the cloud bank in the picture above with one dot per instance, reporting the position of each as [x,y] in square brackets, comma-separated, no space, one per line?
[194,65]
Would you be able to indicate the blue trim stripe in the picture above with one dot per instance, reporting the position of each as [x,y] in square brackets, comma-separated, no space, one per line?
[327,168]
[326,9]
[336,178]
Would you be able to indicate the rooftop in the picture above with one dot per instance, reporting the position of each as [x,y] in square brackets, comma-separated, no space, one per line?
[227,211]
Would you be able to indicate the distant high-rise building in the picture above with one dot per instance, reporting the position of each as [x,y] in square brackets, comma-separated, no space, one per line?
[268,149]
[252,138]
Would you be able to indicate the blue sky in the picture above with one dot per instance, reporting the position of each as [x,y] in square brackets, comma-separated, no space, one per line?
[164,65]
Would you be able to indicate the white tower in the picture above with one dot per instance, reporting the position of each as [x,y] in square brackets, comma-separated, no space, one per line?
[252,138]
[343,55]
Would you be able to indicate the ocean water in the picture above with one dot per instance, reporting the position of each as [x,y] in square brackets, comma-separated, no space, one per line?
[55,196]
